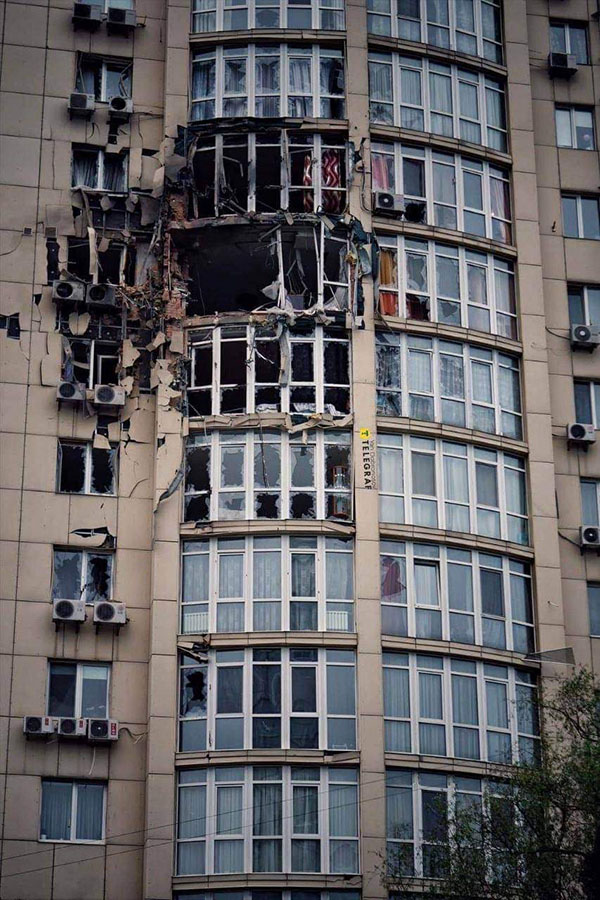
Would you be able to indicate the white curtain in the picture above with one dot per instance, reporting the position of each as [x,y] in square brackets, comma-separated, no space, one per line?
[419,371]
[496,702]
[90,808]
[85,169]
[396,693]
[495,109]
[477,284]
[231,575]
[464,700]
[399,812]
[56,810]
[192,811]
[267,810]
[267,616]
[430,695]
[339,580]
[465,19]
[343,856]
[388,366]
[452,377]
[340,690]
[306,809]
[303,616]
[481,374]
[303,575]
[380,81]
[267,76]
[267,575]
[410,87]
[515,491]
[426,584]
[509,390]
[191,858]
[487,485]
[343,810]
[229,856]
[230,616]
[437,11]
[229,809]
[114,173]
[440,91]
[456,479]
[390,470]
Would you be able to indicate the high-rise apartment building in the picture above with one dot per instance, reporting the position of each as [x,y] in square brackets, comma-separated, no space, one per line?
[300,394]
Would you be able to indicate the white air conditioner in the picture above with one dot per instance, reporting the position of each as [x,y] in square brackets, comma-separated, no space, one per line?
[69,290]
[107,613]
[71,727]
[388,204]
[108,395]
[195,623]
[70,391]
[87,15]
[38,726]
[68,611]
[562,65]
[81,106]
[582,434]
[102,730]
[101,296]
[337,620]
[585,337]
[589,537]
[120,108]
[120,21]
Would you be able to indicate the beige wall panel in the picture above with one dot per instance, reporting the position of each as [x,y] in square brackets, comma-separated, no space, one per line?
[123,872]
[34,35]
[11,460]
[147,74]
[60,73]
[46,518]
[17,298]
[21,114]
[40,463]
[35,886]
[7,618]
[19,160]
[35,571]
[582,260]
[8,569]
[579,169]
[135,471]
[12,407]
[35,634]
[128,691]
[22,69]
[9,521]
[553,253]
[135,524]
[164,626]
[23,795]
[81,873]
[14,363]
[161,744]
[132,585]
[550,215]
[166,571]
[162,699]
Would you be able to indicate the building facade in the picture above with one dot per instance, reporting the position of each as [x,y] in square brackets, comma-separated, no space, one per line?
[300,394]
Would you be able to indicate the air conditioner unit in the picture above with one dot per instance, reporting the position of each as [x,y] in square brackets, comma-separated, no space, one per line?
[82,106]
[120,108]
[581,434]
[101,296]
[70,727]
[70,391]
[38,726]
[70,291]
[387,204]
[107,395]
[87,15]
[120,21]
[584,337]
[562,65]
[107,613]
[589,538]
[103,730]
[68,611]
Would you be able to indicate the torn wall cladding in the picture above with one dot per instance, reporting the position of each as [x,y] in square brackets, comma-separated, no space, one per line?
[303,369]
[269,475]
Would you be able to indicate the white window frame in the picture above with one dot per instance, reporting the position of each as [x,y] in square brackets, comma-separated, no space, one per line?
[97,352]
[596,484]
[572,112]
[74,796]
[324,659]
[580,224]
[249,53]
[249,894]
[242,776]
[488,264]
[87,467]
[566,26]
[496,227]
[249,441]
[469,355]
[482,42]
[318,9]
[216,339]
[437,450]
[584,292]
[425,68]
[481,673]
[592,389]
[87,60]
[100,155]
[79,667]
[318,547]
[406,554]
[85,560]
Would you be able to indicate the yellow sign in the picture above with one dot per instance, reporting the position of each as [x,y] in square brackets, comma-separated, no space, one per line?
[365,434]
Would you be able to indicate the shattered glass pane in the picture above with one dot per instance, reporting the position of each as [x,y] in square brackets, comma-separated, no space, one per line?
[71,468]
[337,466]
[66,580]
[336,362]
[267,362]
[338,506]
[98,580]
[103,471]
[197,468]
[196,508]
[199,402]
[303,466]
[337,401]
[267,506]
[303,506]
[232,466]
[268,178]
[204,175]
[268,399]
[203,366]
[302,362]
[302,400]
[300,263]
[267,465]
[233,194]
[231,506]
[233,400]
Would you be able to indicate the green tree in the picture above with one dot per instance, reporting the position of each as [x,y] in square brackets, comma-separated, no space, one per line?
[536,836]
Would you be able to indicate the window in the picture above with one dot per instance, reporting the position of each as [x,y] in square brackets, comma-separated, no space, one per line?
[427,281]
[438,706]
[319,834]
[82,575]
[268,475]
[584,304]
[103,78]
[78,690]
[268,80]
[590,501]
[238,368]
[581,216]
[575,128]
[115,264]
[593,591]
[441,381]
[73,811]
[423,95]
[417,807]
[84,469]
[286,583]
[469,26]
[587,402]
[459,487]
[90,362]
[268,698]
[270,171]
[229,15]
[570,38]
[98,170]
[465,596]
[259,894]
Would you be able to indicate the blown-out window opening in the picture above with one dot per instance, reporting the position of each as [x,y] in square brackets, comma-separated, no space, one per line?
[82,575]
[84,469]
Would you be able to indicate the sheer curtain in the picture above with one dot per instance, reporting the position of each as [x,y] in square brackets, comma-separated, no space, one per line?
[339,579]
[390,470]
[90,809]
[85,169]
[56,810]
[343,811]
[456,478]
[231,573]
[481,375]
[267,616]
[114,173]
[382,169]
[452,376]
[393,580]
[419,371]
[300,87]
[303,575]
[306,809]
[396,693]
[192,811]
[426,584]
[497,704]
[267,575]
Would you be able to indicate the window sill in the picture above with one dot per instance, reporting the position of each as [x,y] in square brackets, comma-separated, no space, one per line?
[454,539]
[261,757]
[252,35]
[479,63]
[440,142]
[222,640]
[447,764]
[450,432]
[452,332]
[453,648]
[101,843]
[232,527]
[273,880]
[383,224]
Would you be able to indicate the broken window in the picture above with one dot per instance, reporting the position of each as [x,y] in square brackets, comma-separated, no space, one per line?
[222,15]
[110,261]
[237,368]
[246,267]
[104,78]
[91,362]
[82,575]
[266,172]
[84,469]
[258,78]
[96,169]
[268,475]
